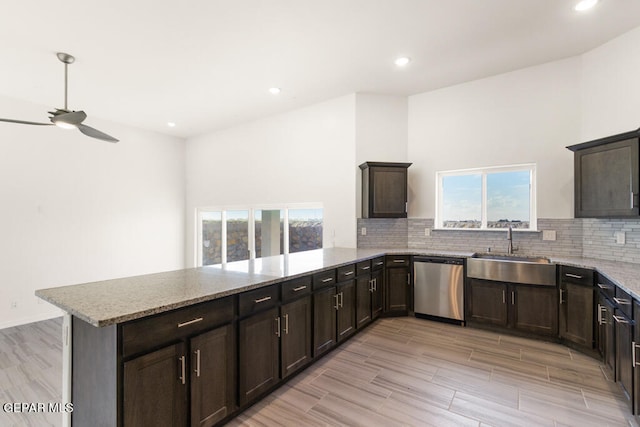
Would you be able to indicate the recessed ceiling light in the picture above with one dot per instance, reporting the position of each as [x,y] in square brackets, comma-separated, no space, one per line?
[275,90]
[585,5]
[403,61]
[171,124]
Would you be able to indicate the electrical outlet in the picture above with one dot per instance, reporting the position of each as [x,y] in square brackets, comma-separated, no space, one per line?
[548,234]
[620,237]
[364,231]
[427,232]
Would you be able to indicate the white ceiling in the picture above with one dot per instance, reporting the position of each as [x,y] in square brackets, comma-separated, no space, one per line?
[208,64]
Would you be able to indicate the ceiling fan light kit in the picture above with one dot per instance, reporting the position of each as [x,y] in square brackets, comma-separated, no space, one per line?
[65,118]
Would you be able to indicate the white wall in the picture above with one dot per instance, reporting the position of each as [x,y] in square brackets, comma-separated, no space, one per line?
[307,155]
[75,209]
[526,116]
[611,87]
[381,133]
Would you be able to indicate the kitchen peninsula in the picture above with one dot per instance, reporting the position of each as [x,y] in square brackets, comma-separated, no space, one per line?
[260,319]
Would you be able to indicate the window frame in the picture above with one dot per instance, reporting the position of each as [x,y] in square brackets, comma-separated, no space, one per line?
[484,171]
[251,226]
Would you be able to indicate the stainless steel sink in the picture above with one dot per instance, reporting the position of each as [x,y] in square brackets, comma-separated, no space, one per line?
[512,269]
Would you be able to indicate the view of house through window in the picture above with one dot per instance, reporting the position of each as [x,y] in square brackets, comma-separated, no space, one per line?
[487,198]
[255,233]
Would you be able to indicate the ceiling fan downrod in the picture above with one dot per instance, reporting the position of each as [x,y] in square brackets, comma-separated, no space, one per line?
[66,59]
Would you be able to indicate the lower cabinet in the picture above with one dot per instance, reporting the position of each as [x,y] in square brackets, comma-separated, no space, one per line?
[259,354]
[528,308]
[155,391]
[334,315]
[605,334]
[346,312]
[576,306]
[624,331]
[635,361]
[157,385]
[377,300]
[364,299]
[397,285]
[295,335]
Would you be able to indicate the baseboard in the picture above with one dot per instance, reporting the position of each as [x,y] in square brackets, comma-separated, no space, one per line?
[30,319]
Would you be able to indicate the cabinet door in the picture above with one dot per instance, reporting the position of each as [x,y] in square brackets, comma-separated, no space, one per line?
[605,330]
[325,305]
[535,309]
[397,290]
[377,278]
[624,364]
[364,287]
[155,388]
[388,192]
[213,361]
[346,320]
[606,181]
[576,313]
[295,342]
[635,363]
[487,302]
[259,354]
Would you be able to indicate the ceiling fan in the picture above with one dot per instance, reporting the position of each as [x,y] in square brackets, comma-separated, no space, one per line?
[65,118]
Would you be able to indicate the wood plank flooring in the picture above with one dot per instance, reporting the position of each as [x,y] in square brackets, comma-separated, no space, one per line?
[408,371]
[398,372]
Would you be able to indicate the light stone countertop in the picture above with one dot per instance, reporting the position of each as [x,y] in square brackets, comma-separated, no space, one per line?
[115,301]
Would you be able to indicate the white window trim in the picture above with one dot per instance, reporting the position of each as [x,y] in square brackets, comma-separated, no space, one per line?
[251,209]
[533,217]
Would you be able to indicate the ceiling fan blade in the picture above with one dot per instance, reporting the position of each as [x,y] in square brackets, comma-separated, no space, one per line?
[22,122]
[95,133]
[73,118]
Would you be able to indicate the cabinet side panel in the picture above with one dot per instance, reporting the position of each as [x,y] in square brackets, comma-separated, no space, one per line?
[94,375]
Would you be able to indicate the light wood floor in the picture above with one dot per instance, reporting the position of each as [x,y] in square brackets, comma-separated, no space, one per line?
[400,371]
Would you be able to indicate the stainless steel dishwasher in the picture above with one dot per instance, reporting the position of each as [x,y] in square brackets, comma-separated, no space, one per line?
[439,288]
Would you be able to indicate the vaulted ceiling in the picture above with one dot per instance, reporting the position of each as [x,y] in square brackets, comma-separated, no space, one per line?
[208,64]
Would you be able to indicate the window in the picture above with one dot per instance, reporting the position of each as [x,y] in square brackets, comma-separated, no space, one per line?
[487,198]
[226,235]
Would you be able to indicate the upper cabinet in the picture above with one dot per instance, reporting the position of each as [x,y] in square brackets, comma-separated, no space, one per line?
[606,177]
[384,190]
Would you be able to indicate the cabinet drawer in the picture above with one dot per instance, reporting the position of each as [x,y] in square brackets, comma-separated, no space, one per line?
[153,332]
[397,261]
[324,278]
[624,302]
[377,263]
[605,286]
[579,276]
[257,300]
[347,272]
[363,267]
[296,288]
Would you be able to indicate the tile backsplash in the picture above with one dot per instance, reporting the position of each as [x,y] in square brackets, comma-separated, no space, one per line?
[592,238]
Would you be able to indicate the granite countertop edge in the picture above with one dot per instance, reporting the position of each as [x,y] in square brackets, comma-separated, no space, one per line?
[70,298]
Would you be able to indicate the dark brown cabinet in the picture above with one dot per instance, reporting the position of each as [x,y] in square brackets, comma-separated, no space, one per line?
[527,308]
[635,363]
[155,391]
[623,320]
[607,177]
[325,305]
[397,285]
[364,289]
[295,344]
[259,354]
[576,294]
[377,287]
[605,334]
[384,189]
[213,362]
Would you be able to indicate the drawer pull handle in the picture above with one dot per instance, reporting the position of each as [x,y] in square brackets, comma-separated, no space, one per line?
[573,276]
[259,300]
[561,295]
[299,288]
[605,287]
[619,319]
[190,322]
[183,368]
[379,263]
[197,370]
[398,260]
[286,324]
[337,306]
[349,273]
[277,320]
[634,346]
[327,280]
[366,267]
[622,301]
